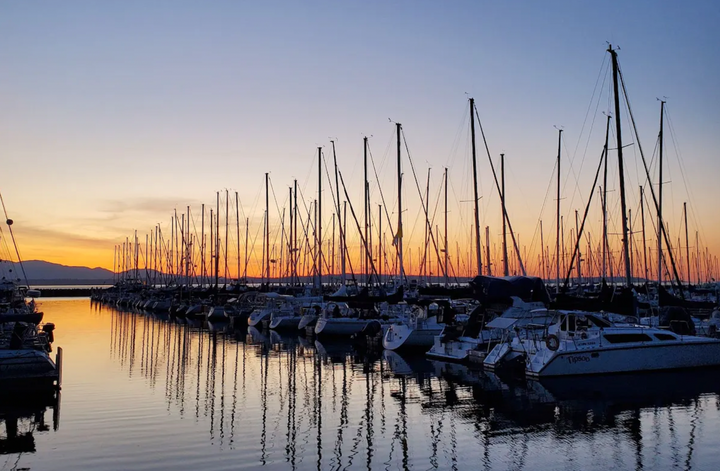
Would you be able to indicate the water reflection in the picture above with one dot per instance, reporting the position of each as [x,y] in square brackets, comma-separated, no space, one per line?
[298,403]
[22,416]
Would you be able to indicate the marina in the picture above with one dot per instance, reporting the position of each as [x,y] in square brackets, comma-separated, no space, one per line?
[330,236]
[150,393]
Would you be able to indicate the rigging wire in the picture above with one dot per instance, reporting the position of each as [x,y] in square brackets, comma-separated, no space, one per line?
[12,236]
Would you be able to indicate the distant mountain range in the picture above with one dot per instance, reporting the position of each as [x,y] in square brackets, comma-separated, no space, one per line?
[41,272]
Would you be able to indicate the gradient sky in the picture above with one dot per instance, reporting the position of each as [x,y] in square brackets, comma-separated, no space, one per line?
[112,114]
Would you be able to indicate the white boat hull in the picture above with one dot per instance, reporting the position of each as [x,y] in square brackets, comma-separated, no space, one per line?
[400,336]
[308,320]
[458,350]
[339,326]
[257,316]
[621,359]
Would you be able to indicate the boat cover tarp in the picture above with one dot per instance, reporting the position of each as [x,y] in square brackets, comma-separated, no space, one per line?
[364,300]
[459,292]
[619,300]
[668,299]
[490,289]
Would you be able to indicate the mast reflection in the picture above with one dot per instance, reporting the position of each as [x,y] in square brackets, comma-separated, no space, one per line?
[322,405]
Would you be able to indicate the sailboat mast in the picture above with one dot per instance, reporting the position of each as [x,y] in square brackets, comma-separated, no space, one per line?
[642,216]
[621,168]
[660,192]
[687,243]
[428,229]
[341,225]
[506,272]
[237,221]
[366,208]
[227,226]
[290,239]
[380,247]
[445,235]
[247,230]
[212,247]
[542,252]
[217,240]
[319,220]
[604,201]
[557,222]
[578,255]
[188,250]
[475,189]
[399,186]
[295,232]
[202,244]
[267,229]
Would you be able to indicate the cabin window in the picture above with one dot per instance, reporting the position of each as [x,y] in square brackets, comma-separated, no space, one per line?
[598,322]
[568,323]
[665,337]
[627,338]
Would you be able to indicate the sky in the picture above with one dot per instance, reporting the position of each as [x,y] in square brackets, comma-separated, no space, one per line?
[114,114]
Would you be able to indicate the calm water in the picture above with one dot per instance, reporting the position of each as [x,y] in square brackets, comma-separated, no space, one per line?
[144,393]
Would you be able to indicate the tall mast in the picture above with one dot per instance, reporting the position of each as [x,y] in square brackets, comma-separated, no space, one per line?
[188,250]
[217,240]
[267,228]
[237,221]
[542,252]
[445,236]
[557,225]
[621,168]
[212,246]
[428,229]
[202,245]
[290,239]
[341,225]
[475,189]
[642,216]
[506,272]
[172,245]
[344,229]
[380,246]
[687,244]
[227,226]
[399,235]
[577,244]
[660,192]
[366,208]
[247,230]
[604,201]
[319,220]
[295,232]
[137,255]
[631,241]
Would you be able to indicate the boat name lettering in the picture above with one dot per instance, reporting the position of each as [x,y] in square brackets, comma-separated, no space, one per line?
[578,358]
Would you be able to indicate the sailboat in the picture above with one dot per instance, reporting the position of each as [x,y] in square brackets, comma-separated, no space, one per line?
[24,346]
[583,343]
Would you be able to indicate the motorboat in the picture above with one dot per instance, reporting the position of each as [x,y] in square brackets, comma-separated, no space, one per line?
[484,329]
[583,343]
[25,361]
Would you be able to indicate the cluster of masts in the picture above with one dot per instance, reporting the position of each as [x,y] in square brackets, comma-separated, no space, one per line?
[306,255]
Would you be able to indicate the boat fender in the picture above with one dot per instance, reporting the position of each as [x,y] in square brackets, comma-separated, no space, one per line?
[553,342]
